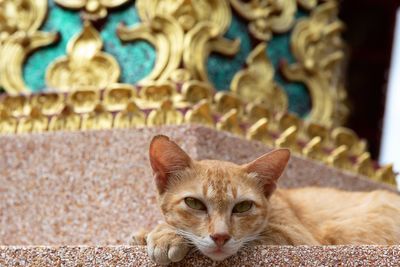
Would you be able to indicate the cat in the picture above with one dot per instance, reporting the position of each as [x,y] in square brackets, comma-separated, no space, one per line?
[219,207]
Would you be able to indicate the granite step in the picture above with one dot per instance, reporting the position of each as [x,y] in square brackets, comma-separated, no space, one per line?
[255,256]
[90,190]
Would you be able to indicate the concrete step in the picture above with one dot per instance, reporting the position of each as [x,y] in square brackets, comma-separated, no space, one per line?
[96,188]
[255,256]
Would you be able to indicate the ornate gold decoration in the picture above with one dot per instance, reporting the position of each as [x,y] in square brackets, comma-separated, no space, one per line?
[184,33]
[19,22]
[266,17]
[230,122]
[85,65]
[8,124]
[256,85]
[85,109]
[50,103]
[35,122]
[117,96]
[94,9]
[16,105]
[84,100]
[165,115]
[98,119]
[132,116]
[201,114]
[318,49]
[67,120]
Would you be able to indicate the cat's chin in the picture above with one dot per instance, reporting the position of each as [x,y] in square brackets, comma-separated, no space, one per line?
[218,255]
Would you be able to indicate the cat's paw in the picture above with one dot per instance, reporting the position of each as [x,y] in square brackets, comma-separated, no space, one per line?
[165,246]
[139,238]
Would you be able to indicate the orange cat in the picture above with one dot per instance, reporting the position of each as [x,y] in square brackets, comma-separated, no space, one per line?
[219,207]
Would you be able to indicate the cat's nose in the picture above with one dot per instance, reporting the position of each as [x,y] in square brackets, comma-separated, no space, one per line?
[220,239]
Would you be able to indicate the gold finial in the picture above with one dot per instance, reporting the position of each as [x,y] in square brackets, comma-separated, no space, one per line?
[16,105]
[165,115]
[67,120]
[259,131]
[339,157]
[195,91]
[131,116]
[85,65]
[8,124]
[35,122]
[230,122]
[201,113]
[226,102]
[98,119]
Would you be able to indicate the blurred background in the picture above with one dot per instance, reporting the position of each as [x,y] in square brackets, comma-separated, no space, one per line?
[373,74]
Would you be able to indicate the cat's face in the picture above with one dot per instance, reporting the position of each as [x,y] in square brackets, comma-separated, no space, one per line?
[217,206]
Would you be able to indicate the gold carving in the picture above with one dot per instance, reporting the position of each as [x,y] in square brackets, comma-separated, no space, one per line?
[230,122]
[50,103]
[98,119]
[84,100]
[94,9]
[256,84]
[266,17]
[339,147]
[165,115]
[67,120]
[19,22]
[132,116]
[317,47]
[35,122]
[117,96]
[184,33]
[85,64]
[8,124]
[201,114]
[16,105]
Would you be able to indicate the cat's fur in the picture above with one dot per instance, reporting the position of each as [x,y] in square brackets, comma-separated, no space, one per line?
[307,216]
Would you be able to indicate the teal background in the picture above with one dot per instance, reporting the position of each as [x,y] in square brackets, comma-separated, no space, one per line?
[137,59]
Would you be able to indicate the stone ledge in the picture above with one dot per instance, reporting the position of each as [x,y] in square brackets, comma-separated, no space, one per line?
[256,256]
[96,187]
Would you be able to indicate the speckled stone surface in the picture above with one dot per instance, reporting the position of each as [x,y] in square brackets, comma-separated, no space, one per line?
[256,256]
[96,188]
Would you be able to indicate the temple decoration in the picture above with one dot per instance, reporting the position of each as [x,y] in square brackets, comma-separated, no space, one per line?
[19,36]
[255,84]
[87,89]
[184,33]
[266,17]
[85,65]
[93,9]
[318,49]
[93,109]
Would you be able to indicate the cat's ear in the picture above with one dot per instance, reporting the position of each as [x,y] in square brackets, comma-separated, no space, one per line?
[268,168]
[166,158]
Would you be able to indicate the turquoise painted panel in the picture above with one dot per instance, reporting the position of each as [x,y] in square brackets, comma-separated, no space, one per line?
[221,69]
[136,59]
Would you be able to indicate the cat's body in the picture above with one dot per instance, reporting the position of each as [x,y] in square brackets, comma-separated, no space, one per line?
[325,216]
[218,207]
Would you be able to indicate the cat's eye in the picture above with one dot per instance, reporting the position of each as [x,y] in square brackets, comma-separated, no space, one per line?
[195,203]
[242,207]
